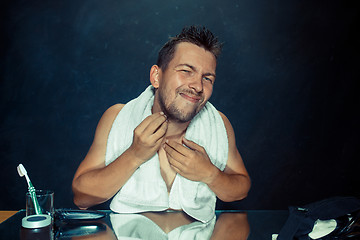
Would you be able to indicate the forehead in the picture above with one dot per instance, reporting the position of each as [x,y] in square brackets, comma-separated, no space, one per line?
[191,54]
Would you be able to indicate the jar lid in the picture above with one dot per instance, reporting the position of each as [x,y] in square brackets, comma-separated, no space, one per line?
[36,221]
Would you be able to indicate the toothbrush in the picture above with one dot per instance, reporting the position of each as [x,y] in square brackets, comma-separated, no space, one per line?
[22,172]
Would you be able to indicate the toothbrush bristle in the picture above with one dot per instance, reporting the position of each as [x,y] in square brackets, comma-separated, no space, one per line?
[21,170]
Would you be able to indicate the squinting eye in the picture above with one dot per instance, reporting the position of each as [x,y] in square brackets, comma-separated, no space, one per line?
[208,79]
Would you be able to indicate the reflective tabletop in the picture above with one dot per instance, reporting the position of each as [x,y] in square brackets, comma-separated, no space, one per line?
[254,224]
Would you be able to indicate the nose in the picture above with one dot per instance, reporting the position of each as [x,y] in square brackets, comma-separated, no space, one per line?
[196,83]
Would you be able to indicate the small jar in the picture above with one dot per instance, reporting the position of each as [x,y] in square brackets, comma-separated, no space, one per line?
[36,227]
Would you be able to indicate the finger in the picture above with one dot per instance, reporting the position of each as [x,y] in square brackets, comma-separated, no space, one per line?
[160,133]
[176,169]
[175,147]
[154,124]
[172,153]
[147,121]
[192,145]
[184,150]
[174,163]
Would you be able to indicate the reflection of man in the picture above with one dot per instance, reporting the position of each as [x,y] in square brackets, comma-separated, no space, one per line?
[177,225]
[159,226]
[169,148]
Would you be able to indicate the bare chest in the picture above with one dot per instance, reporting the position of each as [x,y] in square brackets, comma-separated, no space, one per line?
[167,172]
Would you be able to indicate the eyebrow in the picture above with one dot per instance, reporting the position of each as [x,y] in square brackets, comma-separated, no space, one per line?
[194,69]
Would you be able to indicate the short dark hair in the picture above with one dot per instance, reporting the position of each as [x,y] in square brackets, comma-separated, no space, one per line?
[198,35]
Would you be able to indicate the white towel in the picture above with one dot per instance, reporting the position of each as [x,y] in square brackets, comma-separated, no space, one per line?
[146,190]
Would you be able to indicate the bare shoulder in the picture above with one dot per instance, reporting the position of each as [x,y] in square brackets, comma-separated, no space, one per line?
[113,111]
[228,126]
[95,158]
[106,121]
[223,116]
[235,163]
[110,114]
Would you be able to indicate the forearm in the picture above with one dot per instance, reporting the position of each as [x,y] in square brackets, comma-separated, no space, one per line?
[99,185]
[229,187]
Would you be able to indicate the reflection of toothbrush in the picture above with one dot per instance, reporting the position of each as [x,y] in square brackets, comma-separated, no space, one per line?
[22,172]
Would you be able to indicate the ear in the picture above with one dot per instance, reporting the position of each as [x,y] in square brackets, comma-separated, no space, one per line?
[155,72]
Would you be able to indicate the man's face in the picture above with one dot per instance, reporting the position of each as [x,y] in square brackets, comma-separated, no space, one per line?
[187,83]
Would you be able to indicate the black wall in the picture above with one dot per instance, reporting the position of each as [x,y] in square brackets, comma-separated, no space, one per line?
[287,80]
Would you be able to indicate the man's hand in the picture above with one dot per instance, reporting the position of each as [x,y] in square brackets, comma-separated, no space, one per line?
[148,136]
[191,162]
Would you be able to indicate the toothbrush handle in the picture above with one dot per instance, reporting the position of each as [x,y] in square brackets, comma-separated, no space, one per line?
[34,199]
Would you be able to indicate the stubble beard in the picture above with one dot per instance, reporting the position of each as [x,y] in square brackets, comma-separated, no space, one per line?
[173,112]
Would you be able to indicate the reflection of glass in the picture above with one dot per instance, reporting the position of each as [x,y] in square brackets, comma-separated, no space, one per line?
[162,225]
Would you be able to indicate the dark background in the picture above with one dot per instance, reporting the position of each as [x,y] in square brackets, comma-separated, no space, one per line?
[287,80]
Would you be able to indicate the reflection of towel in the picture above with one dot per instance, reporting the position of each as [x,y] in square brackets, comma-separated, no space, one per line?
[137,226]
[146,190]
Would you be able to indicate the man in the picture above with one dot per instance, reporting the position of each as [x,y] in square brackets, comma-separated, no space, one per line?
[169,148]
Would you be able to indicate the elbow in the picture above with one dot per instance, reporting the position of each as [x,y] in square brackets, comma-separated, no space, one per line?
[79,199]
[233,198]
[86,200]
[80,204]
[245,190]
[241,194]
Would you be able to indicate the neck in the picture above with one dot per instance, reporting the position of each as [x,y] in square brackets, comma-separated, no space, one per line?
[175,129]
